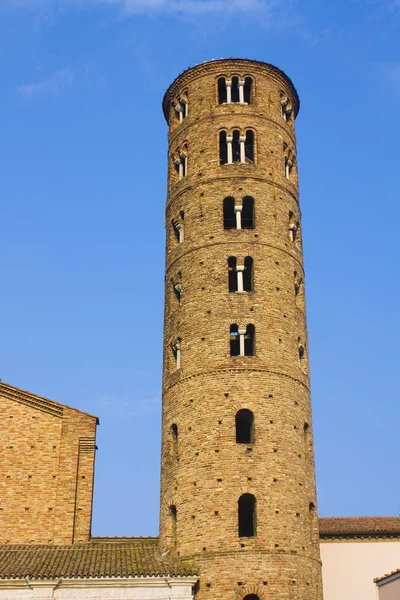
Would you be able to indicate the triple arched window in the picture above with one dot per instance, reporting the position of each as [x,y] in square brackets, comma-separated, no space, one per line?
[236,146]
[235,89]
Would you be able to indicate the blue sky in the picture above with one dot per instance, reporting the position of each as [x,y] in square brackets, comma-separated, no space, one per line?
[83,186]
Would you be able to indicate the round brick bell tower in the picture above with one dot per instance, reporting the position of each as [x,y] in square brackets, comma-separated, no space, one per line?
[237,478]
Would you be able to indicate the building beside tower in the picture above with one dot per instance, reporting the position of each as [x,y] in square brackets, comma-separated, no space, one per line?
[238,517]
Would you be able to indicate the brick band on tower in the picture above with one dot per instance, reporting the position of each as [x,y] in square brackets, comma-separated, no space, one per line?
[237,476]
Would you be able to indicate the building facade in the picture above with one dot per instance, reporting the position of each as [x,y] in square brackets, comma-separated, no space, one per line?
[237,482]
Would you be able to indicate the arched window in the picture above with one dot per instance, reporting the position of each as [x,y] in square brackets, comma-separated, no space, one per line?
[234,339]
[247,515]
[248,84]
[180,164]
[174,435]
[235,89]
[249,145]
[301,351]
[249,340]
[248,213]
[232,274]
[229,213]
[176,353]
[288,166]
[294,226]
[235,146]
[242,340]
[181,109]
[223,148]
[251,597]
[248,274]
[174,515]
[244,426]
[222,98]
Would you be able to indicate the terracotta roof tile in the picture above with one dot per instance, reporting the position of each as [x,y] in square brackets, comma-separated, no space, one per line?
[378,579]
[130,557]
[359,527]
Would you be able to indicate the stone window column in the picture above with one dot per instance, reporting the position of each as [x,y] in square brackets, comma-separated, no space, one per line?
[185,107]
[176,349]
[292,231]
[228,84]
[229,140]
[242,333]
[239,274]
[179,110]
[241,91]
[242,140]
[238,213]
[183,157]
[179,164]
[288,167]
[181,231]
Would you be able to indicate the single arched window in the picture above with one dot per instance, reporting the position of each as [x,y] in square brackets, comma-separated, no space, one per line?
[248,84]
[223,148]
[174,435]
[234,339]
[248,213]
[248,274]
[251,597]
[249,340]
[244,426]
[232,274]
[229,213]
[222,98]
[174,517]
[247,515]
[235,97]
[249,145]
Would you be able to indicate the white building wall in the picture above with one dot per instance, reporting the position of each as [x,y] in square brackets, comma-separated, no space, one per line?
[349,567]
[146,588]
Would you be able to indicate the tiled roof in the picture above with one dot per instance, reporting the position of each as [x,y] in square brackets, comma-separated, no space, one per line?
[54,408]
[378,579]
[330,527]
[126,557]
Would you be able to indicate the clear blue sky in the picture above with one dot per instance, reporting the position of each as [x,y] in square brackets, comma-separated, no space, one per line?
[83,187]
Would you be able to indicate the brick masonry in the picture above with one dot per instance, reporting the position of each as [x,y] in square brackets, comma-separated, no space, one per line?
[47,468]
[204,470]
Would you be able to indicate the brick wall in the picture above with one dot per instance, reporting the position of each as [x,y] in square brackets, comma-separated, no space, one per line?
[204,470]
[46,470]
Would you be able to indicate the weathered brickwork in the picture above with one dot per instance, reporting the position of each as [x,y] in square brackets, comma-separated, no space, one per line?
[46,470]
[204,470]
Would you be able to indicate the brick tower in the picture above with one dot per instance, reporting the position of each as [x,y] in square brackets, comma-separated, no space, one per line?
[237,477]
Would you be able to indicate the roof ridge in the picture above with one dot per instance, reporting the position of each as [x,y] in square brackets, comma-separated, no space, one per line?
[39,402]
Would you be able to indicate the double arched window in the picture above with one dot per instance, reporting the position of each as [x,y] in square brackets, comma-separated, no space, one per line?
[238,214]
[240,274]
[242,340]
